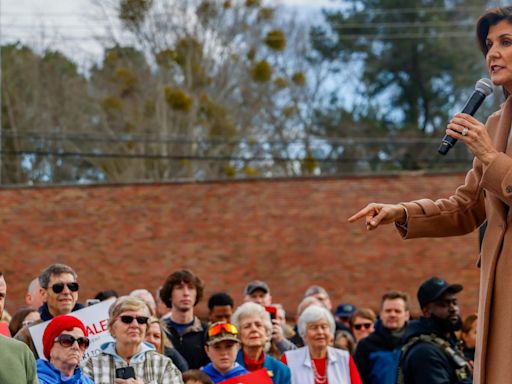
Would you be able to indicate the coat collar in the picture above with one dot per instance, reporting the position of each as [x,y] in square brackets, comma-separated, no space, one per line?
[503,129]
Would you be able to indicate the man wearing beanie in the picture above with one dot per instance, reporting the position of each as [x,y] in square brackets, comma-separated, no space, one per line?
[17,364]
[64,344]
[430,354]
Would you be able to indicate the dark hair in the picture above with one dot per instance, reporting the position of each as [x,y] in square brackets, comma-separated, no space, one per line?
[54,269]
[196,375]
[181,276]
[104,295]
[393,295]
[220,299]
[485,22]
[17,319]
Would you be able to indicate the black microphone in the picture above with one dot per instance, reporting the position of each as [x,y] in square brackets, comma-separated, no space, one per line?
[483,88]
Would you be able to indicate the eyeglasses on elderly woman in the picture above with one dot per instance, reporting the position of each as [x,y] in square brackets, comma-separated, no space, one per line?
[67,341]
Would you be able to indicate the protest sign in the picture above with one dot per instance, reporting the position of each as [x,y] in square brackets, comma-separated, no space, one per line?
[95,319]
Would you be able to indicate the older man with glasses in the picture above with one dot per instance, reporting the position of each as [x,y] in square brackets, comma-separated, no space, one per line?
[59,290]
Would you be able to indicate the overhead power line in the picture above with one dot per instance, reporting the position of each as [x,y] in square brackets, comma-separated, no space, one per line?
[85,155]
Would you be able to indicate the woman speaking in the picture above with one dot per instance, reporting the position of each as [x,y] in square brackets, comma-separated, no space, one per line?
[485,196]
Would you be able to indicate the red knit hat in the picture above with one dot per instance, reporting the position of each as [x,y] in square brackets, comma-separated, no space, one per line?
[56,326]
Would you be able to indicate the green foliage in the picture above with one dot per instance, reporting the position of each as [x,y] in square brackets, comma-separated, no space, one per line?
[178,99]
[276,40]
[133,12]
[166,58]
[251,171]
[126,79]
[58,61]
[261,72]
[207,11]
[266,14]
[415,54]
[309,164]
[111,103]
[251,54]
[280,82]
[230,170]
[299,79]
[252,3]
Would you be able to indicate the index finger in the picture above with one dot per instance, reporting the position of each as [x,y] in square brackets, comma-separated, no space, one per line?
[362,213]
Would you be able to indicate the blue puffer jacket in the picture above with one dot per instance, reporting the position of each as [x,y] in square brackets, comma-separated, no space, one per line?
[217,377]
[48,374]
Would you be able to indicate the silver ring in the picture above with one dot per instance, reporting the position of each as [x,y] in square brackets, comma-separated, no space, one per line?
[464,132]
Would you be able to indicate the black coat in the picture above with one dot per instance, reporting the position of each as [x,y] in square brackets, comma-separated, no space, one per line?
[426,363]
[376,345]
[190,344]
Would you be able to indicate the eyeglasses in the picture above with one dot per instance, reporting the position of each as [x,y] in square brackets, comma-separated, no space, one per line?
[67,341]
[362,325]
[222,327]
[59,287]
[127,319]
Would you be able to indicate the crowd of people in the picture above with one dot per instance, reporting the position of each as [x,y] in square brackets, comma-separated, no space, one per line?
[162,340]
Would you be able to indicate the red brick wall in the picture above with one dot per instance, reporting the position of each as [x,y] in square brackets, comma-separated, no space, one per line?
[291,233]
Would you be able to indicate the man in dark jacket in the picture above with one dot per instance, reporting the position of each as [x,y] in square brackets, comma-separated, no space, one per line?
[430,354]
[377,355]
[181,292]
[59,290]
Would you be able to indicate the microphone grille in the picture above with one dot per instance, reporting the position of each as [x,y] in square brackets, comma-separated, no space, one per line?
[484,86]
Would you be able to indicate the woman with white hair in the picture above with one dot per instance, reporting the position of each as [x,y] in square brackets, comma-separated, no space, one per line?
[318,362]
[255,328]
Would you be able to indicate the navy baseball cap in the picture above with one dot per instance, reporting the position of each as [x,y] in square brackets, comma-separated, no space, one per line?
[345,310]
[434,288]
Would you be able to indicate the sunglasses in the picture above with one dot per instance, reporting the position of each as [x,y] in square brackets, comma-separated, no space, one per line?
[362,325]
[59,287]
[127,319]
[222,327]
[67,341]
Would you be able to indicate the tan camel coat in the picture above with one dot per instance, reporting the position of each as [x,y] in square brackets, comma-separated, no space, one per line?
[485,195]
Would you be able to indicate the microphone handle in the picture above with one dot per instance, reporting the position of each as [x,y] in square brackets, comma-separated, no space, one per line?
[472,105]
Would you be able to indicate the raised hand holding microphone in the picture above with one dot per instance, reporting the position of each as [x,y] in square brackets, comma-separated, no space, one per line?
[483,88]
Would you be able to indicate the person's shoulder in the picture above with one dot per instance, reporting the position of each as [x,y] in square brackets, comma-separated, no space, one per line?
[272,361]
[425,351]
[13,345]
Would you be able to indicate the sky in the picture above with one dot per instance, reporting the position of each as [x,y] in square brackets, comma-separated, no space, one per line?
[68,26]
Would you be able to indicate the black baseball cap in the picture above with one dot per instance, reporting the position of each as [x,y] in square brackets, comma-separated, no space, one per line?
[434,288]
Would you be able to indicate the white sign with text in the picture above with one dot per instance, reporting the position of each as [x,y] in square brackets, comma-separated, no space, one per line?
[95,319]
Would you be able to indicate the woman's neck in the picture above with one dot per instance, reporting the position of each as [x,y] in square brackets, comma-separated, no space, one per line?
[66,369]
[318,353]
[253,353]
[127,351]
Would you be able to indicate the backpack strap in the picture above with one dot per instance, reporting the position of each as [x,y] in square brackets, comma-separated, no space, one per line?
[463,369]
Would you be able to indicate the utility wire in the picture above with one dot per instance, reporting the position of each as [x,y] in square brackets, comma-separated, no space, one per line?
[147,139]
[259,159]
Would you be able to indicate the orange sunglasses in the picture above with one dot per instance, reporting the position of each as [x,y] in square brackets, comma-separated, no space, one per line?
[222,327]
